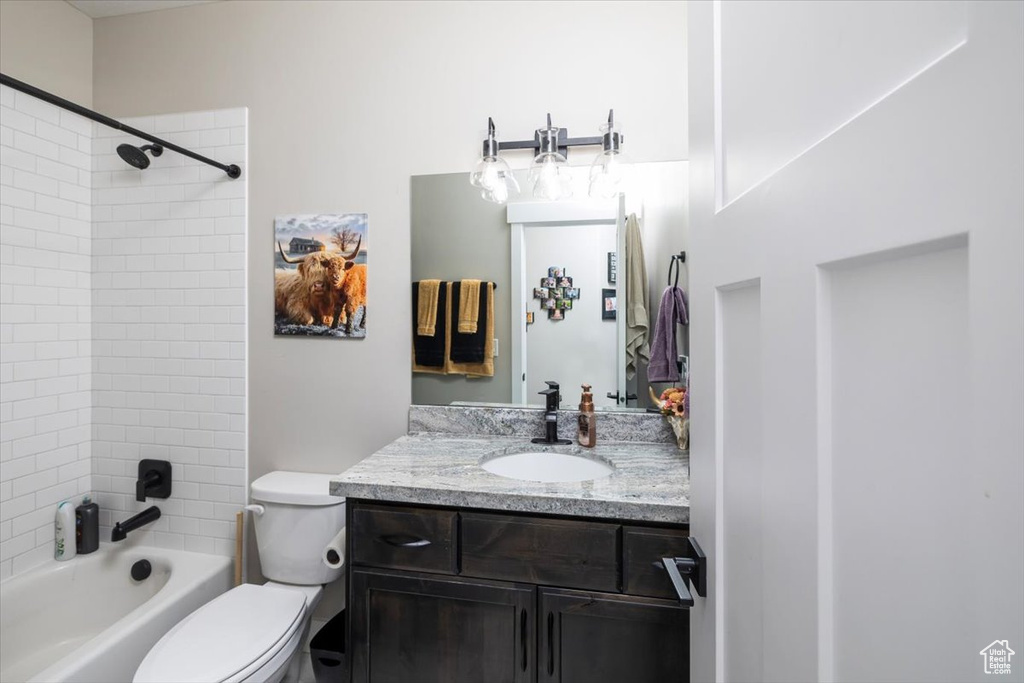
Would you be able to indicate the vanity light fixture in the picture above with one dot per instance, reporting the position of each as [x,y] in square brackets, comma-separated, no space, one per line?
[609,169]
[492,174]
[549,172]
[549,176]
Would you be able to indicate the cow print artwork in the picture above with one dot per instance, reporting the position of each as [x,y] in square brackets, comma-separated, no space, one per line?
[320,275]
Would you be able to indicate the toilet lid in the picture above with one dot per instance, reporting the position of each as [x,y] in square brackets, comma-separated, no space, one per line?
[225,636]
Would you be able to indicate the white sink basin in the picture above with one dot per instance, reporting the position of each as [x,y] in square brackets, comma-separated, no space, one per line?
[546,467]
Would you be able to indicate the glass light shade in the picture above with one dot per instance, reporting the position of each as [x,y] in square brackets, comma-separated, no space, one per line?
[610,168]
[608,174]
[549,175]
[494,178]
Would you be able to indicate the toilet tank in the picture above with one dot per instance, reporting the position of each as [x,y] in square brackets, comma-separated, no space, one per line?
[299,520]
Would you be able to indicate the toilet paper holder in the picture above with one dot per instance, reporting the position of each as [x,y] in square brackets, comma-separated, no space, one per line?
[334,551]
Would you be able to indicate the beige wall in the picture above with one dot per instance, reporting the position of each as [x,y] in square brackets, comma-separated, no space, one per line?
[47,43]
[346,101]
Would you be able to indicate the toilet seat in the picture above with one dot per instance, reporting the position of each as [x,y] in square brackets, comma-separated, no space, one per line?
[228,638]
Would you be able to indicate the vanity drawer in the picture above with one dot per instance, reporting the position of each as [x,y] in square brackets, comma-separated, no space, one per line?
[548,552]
[642,550]
[405,538]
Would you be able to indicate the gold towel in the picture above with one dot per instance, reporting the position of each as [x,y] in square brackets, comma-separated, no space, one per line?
[447,339]
[486,368]
[469,306]
[471,370]
[426,314]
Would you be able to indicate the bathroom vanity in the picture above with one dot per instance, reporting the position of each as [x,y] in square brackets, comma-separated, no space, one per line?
[458,574]
[456,594]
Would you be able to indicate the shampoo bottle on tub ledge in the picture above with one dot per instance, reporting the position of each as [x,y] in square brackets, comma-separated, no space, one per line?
[64,532]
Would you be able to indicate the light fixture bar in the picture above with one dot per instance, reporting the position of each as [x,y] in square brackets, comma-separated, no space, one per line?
[549,173]
[564,141]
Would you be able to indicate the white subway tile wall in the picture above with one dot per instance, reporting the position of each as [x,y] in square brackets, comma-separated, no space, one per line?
[122,326]
[45,322]
[169,338]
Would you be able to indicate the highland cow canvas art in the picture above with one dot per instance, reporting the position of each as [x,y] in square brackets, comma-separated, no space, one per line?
[320,275]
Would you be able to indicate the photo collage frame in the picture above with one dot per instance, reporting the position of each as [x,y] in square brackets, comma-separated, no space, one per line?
[556,293]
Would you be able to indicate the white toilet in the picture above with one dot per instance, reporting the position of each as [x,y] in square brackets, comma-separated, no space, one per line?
[253,633]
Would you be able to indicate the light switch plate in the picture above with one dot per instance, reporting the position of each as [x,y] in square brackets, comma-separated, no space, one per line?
[495,355]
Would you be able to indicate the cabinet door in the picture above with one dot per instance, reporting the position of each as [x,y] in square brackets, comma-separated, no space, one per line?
[607,638]
[425,628]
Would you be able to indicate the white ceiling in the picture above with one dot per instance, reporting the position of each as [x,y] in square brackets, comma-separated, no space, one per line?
[97,9]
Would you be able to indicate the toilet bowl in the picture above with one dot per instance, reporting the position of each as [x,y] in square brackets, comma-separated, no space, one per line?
[255,633]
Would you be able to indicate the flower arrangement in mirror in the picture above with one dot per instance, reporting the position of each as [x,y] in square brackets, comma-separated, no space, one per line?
[674,404]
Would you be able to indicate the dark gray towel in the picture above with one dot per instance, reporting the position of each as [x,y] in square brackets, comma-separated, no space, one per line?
[672,310]
[429,351]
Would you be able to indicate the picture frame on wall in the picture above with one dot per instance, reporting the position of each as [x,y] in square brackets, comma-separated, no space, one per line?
[548,282]
[556,314]
[540,293]
[609,306]
[307,244]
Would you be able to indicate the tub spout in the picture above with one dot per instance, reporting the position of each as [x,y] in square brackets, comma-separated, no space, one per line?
[121,529]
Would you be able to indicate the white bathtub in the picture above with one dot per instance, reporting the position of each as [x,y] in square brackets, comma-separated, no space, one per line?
[87,620]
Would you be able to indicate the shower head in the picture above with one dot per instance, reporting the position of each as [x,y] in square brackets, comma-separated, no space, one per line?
[136,156]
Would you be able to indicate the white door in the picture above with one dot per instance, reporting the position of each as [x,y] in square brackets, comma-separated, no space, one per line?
[581,347]
[857,338]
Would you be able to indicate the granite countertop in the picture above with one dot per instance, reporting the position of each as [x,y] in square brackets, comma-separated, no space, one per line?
[650,481]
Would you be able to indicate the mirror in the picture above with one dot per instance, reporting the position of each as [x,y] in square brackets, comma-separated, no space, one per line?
[457,235]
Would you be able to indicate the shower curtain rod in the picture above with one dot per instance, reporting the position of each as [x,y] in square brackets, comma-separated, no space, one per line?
[232,170]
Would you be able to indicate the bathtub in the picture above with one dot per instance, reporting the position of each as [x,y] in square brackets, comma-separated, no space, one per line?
[87,620]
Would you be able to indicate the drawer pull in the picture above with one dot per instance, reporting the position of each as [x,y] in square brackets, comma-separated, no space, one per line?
[405,541]
[551,644]
[522,636]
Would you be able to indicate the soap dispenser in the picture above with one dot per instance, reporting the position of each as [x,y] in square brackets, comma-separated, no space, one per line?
[587,434]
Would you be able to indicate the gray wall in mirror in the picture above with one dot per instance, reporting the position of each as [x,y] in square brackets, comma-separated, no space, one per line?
[458,235]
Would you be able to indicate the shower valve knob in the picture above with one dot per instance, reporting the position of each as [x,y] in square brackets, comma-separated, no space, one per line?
[154,480]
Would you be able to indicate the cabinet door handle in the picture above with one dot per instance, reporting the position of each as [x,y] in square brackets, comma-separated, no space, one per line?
[522,635]
[551,644]
[405,541]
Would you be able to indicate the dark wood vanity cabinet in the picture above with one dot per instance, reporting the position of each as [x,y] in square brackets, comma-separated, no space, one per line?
[446,595]
[587,637]
[409,627]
